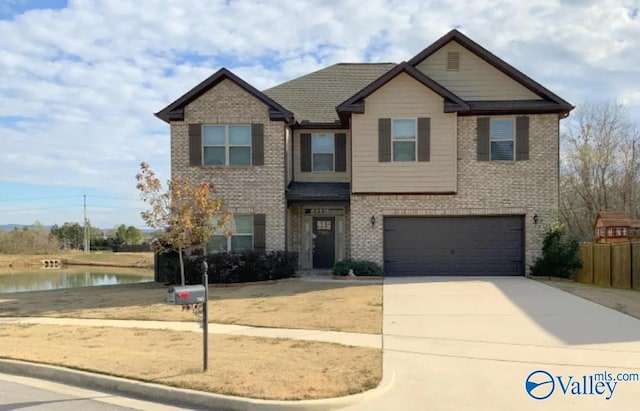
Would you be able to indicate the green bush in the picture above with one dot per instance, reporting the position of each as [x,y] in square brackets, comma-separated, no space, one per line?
[248,266]
[359,267]
[559,255]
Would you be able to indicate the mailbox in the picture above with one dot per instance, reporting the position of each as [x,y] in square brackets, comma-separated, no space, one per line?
[189,294]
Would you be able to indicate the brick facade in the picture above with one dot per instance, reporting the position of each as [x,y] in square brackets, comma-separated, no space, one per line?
[244,190]
[484,188]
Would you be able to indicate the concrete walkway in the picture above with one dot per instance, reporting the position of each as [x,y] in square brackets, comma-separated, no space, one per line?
[471,344]
[355,339]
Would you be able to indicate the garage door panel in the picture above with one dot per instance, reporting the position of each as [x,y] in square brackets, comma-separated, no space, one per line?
[454,245]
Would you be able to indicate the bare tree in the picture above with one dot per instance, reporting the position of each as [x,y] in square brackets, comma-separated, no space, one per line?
[185,212]
[600,166]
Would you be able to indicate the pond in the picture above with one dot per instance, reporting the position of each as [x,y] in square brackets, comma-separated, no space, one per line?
[30,279]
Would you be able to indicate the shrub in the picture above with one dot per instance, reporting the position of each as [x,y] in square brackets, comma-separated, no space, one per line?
[559,255]
[248,266]
[359,267]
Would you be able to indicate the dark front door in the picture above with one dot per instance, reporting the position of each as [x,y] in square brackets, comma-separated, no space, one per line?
[324,237]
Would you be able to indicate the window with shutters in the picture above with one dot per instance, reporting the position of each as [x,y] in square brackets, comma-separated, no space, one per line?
[502,137]
[403,139]
[228,145]
[240,238]
[322,152]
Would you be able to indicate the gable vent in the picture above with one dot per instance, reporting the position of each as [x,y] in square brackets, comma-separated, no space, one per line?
[453,60]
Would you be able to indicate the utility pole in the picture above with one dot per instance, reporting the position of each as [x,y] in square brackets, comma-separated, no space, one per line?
[87,232]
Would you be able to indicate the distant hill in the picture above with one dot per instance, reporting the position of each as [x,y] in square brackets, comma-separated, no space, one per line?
[11,227]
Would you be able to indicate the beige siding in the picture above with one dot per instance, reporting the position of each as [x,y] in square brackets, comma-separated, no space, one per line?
[476,79]
[244,190]
[484,188]
[327,177]
[403,97]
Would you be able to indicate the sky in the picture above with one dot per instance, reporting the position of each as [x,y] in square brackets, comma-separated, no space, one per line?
[81,79]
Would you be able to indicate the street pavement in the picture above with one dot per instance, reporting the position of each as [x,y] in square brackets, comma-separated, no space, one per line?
[18,393]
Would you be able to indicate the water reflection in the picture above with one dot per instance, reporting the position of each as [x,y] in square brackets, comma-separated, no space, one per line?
[78,276]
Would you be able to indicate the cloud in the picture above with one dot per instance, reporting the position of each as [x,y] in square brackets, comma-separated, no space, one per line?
[80,83]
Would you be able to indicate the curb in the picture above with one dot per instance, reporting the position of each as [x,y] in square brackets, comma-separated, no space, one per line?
[183,397]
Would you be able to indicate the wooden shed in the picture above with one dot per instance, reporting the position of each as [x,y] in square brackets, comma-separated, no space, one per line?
[615,227]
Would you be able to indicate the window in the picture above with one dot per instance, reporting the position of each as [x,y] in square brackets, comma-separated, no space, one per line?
[323,150]
[502,132]
[227,145]
[610,232]
[241,238]
[403,139]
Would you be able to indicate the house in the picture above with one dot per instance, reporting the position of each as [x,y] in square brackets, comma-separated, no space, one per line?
[434,166]
[615,227]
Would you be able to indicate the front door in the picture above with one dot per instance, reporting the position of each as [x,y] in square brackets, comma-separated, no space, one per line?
[324,237]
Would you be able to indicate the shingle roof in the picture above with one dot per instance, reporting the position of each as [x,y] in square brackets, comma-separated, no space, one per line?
[314,97]
[614,218]
[318,191]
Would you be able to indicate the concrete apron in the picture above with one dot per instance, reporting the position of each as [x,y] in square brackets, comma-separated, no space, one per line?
[471,343]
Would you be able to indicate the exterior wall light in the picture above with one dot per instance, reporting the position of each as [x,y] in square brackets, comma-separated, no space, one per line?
[373,221]
[535,219]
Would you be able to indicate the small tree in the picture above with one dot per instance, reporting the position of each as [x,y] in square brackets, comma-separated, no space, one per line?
[185,212]
[559,255]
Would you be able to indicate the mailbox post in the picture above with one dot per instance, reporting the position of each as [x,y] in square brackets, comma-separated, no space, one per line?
[205,316]
[195,294]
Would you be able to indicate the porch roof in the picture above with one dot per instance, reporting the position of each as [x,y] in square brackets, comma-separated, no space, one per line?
[298,191]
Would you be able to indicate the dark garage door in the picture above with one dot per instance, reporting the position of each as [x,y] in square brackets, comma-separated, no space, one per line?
[454,246]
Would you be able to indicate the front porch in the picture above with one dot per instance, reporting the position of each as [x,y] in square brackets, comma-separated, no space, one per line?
[318,223]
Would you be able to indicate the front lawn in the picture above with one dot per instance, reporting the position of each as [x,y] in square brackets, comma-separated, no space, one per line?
[284,304]
[245,366]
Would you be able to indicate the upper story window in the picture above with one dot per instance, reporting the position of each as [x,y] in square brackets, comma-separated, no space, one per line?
[226,145]
[403,139]
[502,135]
[241,238]
[323,152]
[503,139]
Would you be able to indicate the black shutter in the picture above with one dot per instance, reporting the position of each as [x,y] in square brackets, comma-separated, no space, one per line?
[522,138]
[305,152]
[259,232]
[195,145]
[424,139]
[257,144]
[341,152]
[484,142]
[384,139]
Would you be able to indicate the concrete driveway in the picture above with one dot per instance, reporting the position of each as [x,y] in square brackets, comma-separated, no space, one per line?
[471,344]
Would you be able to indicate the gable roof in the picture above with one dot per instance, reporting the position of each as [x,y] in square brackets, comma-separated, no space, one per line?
[355,103]
[175,110]
[613,219]
[495,61]
[313,97]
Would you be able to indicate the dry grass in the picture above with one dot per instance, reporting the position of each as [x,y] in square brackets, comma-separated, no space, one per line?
[244,366]
[284,304]
[102,258]
[625,301]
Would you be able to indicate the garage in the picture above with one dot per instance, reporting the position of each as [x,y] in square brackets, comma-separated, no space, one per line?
[454,246]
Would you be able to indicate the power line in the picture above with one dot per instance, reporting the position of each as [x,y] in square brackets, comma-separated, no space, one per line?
[36,198]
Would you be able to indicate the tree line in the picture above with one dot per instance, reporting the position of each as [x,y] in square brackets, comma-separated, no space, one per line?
[600,166]
[36,239]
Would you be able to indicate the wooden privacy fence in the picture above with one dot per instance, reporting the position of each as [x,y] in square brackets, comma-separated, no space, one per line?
[610,265]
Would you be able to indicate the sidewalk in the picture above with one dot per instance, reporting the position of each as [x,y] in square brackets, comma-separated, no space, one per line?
[355,339]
